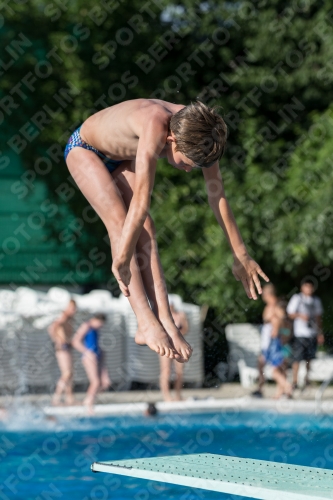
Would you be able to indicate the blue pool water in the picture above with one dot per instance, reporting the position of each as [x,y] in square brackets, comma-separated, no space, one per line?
[46,460]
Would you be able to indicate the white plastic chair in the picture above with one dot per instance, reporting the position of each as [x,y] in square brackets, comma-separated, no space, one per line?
[244,344]
[248,376]
[321,369]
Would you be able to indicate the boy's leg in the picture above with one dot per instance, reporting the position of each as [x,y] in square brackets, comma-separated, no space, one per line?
[64,383]
[308,368]
[295,373]
[104,374]
[69,387]
[151,268]
[96,184]
[105,378]
[297,356]
[90,363]
[179,368]
[60,387]
[165,370]
[283,386]
[154,282]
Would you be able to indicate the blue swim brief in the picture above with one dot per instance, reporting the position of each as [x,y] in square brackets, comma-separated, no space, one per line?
[273,355]
[76,141]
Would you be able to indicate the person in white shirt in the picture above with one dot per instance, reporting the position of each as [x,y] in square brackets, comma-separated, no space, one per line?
[306,311]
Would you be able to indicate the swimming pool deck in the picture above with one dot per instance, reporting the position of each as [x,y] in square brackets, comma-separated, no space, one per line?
[228,396]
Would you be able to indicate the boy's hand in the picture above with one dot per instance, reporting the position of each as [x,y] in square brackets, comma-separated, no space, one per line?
[247,270]
[122,273]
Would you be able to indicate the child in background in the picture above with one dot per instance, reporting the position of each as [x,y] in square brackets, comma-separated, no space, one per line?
[86,341]
[151,410]
[181,323]
[61,333]
[271,346]
[274,354]
[285,334]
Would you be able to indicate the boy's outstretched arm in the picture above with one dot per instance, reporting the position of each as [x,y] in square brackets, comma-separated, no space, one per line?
[151,142]
[245,269]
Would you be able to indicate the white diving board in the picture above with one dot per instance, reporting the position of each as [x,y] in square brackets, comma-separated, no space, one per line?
[237,476]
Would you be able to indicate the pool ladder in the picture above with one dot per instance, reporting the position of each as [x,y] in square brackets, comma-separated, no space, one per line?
[320,393]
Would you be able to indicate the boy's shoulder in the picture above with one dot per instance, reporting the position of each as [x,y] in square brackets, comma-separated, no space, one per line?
[155,108]
[151,117]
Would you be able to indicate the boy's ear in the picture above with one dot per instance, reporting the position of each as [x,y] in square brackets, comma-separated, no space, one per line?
[170,138]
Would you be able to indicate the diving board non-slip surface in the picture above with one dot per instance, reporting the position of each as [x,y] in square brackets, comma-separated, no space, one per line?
[237,476]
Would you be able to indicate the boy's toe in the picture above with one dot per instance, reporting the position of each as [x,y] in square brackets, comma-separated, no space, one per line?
[178,357]
[189,351]
[182,352]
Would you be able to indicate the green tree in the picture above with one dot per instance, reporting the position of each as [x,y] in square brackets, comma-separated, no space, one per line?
[265,64]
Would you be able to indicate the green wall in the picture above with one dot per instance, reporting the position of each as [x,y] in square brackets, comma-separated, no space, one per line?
[31,252]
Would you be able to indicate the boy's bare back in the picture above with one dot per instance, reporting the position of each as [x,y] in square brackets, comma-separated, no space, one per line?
[115,131]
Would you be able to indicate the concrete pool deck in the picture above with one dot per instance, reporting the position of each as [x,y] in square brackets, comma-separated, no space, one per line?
[228,396]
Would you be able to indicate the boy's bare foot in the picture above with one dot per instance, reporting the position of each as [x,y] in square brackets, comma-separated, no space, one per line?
[181,346]
[105,386]
[88,402]
[90,409]
[157,340]
[279,394]
[167,398]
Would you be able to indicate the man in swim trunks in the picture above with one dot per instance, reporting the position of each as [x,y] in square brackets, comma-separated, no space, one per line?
[137,133]
[61,333]
[181,323]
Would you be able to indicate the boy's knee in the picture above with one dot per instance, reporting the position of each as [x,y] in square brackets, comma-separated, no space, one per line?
[67,376]
[95,384]
[114,228]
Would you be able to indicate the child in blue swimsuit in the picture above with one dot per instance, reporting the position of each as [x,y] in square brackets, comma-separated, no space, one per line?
[86,342]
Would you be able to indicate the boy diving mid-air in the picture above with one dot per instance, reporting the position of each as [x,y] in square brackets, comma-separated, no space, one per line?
[112,158]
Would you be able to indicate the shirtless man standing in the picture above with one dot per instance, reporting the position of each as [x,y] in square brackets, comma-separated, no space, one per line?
[112,158]
[61,332]
[181,322]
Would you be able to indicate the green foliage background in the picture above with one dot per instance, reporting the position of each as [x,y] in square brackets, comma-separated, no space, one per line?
[277,170]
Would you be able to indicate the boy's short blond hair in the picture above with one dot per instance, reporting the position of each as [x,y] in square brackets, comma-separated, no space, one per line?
[200,133]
